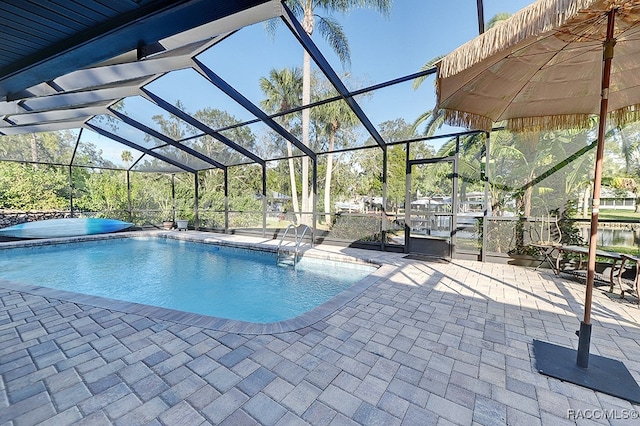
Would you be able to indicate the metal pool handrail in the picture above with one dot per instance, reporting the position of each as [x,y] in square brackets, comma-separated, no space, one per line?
[296,239]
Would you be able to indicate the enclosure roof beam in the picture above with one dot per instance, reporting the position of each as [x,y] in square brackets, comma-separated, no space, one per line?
[166,139]
[249,106]
[83,113]
[325,67]
[42,127]
[405,78]
[130,26]
[203,127]
[72,99]
[135,146]
[107,76]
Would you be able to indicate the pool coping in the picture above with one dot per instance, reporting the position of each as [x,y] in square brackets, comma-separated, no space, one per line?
[199,320]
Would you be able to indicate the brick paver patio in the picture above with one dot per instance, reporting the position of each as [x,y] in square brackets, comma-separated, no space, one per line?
[430,343]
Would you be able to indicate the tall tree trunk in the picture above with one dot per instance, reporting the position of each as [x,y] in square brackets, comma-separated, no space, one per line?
[306,100]
[307,25]
[34,150]
[585,201]
[292,180]
[327,186]
[530,142]
[527,201]
[526,197]
[292,177]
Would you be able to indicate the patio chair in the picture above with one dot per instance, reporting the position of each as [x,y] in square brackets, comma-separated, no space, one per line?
[546,238]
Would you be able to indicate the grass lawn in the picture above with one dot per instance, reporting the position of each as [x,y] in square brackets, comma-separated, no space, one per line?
[621,249]
[618,215]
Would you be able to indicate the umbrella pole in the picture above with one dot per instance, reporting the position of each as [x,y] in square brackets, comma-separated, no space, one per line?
[584,339]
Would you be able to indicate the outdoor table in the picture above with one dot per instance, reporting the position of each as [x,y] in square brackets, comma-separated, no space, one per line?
[580,250]
[629,258]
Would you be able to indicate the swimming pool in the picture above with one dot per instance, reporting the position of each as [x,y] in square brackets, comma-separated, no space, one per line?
[208,279]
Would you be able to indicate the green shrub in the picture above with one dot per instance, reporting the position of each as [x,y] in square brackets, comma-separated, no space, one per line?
[356,227]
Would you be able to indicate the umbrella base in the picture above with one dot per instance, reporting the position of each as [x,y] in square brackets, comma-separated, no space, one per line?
[604,375]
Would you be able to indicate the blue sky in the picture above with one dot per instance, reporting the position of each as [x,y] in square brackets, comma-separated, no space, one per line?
[416,32]
[381,50]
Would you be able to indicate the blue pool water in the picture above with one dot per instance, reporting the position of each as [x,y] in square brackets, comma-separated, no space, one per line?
[193,277]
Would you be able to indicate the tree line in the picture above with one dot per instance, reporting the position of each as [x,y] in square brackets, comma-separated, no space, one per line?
[528,174]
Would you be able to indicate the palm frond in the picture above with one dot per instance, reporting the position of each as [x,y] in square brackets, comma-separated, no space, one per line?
[508,152]
[497,18]
[271,27]
[448,148]
[432,63]
[334,34]
[435,122]
[345,6]
[296,6]
[421,119]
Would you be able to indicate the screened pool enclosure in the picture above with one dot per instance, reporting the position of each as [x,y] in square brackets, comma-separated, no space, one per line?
[229,115]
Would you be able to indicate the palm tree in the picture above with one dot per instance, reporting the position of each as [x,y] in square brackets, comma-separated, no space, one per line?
[497,18]
[630,149]
[283,90]
[331,118]
[34,150]
[333,32]
[629,145]
[435,117]
[127,157]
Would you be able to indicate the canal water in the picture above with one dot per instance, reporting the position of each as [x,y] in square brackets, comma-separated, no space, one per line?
[627,235]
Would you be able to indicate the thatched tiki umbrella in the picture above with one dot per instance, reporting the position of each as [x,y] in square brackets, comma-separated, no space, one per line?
[551,66]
